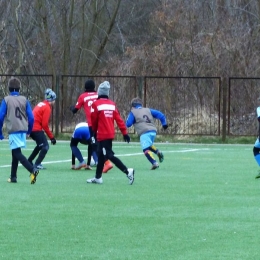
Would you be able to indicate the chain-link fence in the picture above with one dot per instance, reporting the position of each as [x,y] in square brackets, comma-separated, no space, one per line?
[192,105]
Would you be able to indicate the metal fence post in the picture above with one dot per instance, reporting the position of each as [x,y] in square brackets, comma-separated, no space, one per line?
[57,110]
[224,109]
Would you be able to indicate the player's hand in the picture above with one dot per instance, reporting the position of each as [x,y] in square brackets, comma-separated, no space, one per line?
[53,141]
[127,138]
[165,127]
[73,109]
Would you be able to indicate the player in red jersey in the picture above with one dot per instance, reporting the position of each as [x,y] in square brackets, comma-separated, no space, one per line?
[86,100]
[42,113]
[103,115]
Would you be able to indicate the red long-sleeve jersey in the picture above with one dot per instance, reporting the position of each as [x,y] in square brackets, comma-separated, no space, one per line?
[86,99]
[103,115]
[42,113]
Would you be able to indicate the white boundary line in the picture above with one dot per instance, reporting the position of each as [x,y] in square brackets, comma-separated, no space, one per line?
[121,155]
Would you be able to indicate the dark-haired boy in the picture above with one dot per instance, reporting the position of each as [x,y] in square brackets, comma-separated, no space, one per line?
[17,113]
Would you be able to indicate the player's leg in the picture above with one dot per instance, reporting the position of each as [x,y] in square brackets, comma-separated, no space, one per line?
[43,145]
[101,160]
[256,152]
[77,153]
[35,151]
[129,172]
[14,166]
[18,156]
[88,167]
[146,141]
[158,152]
[16,142]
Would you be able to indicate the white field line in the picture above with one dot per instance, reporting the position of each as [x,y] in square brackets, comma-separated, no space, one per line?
[120,155]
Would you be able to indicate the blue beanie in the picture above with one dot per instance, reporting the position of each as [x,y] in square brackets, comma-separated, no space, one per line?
[49,95]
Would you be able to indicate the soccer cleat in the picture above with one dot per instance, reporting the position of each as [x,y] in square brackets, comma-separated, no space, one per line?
[160,156]
[88,167]
[40,167]
[130,175]
[258,175]
[33,175]
[12,180]
[81,165]
[95,180]
[155,166]
[72,167]
[108,166]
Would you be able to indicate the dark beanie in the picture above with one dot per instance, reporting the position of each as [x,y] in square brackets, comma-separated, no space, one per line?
[89,85]
[14,84]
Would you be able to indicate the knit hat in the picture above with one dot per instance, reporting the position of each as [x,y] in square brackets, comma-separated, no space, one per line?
[103,89]
[14,84]
[89,85]
[49,95]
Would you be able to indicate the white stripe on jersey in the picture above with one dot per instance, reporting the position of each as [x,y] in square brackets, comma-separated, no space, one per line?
[83,124]
[106,107]
[90,97]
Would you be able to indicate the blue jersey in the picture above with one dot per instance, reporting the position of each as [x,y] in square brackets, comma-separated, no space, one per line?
[81,131]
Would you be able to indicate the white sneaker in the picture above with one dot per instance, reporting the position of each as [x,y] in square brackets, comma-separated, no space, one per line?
[95,180]
[40,167]
[130,175]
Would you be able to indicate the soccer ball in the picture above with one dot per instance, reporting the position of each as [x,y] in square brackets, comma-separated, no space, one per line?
[92,162]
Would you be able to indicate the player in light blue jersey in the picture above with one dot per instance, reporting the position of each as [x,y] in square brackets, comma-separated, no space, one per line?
[16,111]
[142,119]
[256,149]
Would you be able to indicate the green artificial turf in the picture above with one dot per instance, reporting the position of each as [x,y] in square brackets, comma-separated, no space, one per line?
[202,203]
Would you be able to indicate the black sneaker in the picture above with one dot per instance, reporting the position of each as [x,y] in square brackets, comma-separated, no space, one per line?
[12,180]
[33,175]
[160,156]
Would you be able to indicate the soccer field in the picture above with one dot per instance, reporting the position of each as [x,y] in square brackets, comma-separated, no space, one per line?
[202,203]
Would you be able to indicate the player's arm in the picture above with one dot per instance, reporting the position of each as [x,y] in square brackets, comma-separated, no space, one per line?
[160,116]
[3,110]
[77,107]
[94,116]
[130,120]
[30,117]
[45,123]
